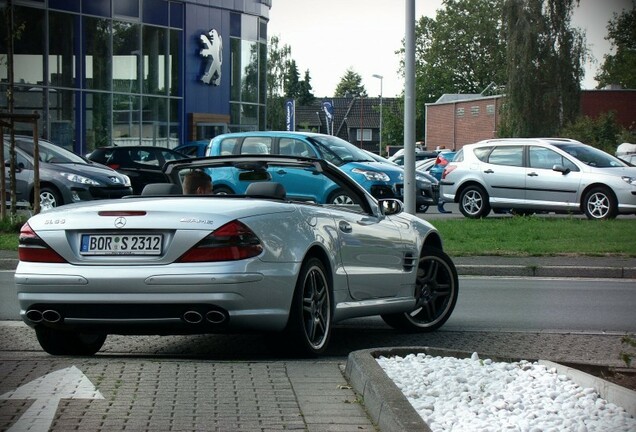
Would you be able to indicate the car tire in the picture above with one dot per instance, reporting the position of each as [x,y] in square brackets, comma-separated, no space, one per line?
[310,317]
[340,197]
[436,289]
[49,198]
[59,342]
[473,202]
[600,203]
[222,190]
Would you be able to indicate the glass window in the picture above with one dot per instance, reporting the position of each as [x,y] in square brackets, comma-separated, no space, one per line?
[62,62]
[249,114]
[154,129]
[235,59]
[96,7]
[69,5]
[126,124]
[126,57]
[154,49]
[363,134]
[249,28]
[507,155]
[256,145]
[26,100]
[127,8]
[235,25]
[293,147]
[174,129]
[62,117]
[460,112]
[227,146]
[481,153]
[249,68]
[97,57]
[174,62]
[98,123]
[474,110]
[541,157]
[155,12]
[28,50]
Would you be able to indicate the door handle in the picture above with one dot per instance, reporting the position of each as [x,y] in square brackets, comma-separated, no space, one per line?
[345,227]
[489,171]
[533,174]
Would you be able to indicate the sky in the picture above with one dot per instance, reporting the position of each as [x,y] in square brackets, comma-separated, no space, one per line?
[327,37]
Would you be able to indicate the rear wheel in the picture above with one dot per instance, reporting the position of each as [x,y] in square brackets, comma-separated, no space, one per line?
[59,342]
[436,288]
[473,202]
[310,317]
[600,203]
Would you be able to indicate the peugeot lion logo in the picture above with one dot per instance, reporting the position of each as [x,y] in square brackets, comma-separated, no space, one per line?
[213,53]
[120,222]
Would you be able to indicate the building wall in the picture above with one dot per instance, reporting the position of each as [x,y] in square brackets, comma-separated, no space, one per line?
[453,124]
[621,102]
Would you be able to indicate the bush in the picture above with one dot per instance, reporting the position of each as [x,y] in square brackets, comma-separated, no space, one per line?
[603,132]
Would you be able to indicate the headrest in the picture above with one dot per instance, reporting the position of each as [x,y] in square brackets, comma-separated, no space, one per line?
[267,189]
[162,189]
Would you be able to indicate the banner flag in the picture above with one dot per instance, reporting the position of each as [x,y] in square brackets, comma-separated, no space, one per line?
[290,114]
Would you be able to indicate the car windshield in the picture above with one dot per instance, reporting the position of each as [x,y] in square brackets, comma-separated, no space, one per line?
[338,151]
[591,156]
[50,153]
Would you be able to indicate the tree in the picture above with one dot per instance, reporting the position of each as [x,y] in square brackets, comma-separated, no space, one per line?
[545,58]
[350,85]
[291,86]
[460,51]
[305,96]
[277,60]
[620,68]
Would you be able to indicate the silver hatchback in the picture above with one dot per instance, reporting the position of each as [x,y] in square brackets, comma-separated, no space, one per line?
[527,175]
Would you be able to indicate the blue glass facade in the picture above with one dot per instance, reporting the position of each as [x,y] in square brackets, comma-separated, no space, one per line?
[158,72]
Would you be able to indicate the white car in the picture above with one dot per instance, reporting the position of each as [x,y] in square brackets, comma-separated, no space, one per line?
[527,175]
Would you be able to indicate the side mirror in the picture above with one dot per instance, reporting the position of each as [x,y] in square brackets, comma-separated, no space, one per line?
[560,168]
[391,206]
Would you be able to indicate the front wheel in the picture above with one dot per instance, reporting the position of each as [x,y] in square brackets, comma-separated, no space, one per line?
[436,289]
[59,342]
[473,202]
[310,317]
[340,198]
[599,203]
[49,198]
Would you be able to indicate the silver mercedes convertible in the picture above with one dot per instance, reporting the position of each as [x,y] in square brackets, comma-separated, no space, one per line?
[272,259]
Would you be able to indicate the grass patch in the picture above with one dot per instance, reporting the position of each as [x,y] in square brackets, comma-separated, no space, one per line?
[538,236]
[514,236]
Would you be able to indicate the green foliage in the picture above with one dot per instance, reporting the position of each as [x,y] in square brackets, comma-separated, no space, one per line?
[350,85]
[628,356]
[277,60]
[460,51]
[545,58]
[620,67]
[603,132]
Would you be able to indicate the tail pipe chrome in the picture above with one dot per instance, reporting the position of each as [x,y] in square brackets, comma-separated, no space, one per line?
[48,316]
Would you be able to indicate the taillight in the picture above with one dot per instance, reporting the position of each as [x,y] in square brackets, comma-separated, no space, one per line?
[32,248]
[449,169]
[233,241]
[441,160]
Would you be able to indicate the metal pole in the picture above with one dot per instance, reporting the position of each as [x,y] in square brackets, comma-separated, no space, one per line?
[409,109]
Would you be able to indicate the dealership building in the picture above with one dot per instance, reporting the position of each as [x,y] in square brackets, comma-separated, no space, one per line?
[156,72]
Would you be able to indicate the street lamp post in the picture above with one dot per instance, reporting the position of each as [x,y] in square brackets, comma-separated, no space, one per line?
[380,77]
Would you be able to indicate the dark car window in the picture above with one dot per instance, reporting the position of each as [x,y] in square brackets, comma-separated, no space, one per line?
[50,152]
[227,146]
[167,155]
[591,156]
[294,147]
[507,155]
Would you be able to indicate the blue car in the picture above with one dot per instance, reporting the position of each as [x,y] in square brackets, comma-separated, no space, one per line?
[443,158]
[381,180]
[193,148]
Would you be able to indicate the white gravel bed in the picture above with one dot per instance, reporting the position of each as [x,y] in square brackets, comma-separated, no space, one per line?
[456,395]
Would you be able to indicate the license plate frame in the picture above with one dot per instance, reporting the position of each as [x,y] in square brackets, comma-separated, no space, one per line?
[130,244]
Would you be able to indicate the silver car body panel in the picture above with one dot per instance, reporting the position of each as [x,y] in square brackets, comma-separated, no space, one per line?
[536,188]
[368,277]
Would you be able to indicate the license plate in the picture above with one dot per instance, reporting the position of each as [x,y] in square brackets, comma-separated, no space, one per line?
[118,244]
